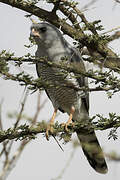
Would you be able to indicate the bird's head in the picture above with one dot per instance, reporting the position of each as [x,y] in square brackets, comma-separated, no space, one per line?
[44,33]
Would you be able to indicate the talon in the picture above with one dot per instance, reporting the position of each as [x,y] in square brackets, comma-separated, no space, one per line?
[49,129]
[65,125]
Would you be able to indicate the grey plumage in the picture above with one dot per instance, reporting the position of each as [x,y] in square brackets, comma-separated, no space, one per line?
[52,45]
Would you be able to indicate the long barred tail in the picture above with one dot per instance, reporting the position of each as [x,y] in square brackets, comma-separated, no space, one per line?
[93,151]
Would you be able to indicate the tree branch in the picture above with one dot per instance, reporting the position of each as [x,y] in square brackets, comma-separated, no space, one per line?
[115,36]
[108,81]
[118,1]
[27,132]
[93,44]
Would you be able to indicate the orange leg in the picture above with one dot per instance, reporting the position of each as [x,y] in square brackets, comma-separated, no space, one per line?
[50,124]
[70,119]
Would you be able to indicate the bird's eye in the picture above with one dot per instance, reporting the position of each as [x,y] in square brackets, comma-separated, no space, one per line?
[43,29]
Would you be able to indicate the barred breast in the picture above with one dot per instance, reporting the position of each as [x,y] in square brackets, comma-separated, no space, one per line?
[62,97]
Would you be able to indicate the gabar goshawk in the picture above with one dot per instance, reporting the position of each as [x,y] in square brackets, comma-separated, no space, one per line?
[51,44]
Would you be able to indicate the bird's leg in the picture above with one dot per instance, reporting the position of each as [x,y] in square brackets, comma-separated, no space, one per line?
[70,118]
[50,125]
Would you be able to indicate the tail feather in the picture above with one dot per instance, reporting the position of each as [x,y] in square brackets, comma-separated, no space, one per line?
[93,151]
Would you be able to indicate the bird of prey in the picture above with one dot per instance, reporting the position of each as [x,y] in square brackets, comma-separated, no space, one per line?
[51,44]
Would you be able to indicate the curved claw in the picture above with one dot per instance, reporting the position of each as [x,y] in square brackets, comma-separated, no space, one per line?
[49,129]
[69,120]
[65,125]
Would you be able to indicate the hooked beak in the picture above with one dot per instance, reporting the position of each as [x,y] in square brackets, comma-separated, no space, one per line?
[34,33]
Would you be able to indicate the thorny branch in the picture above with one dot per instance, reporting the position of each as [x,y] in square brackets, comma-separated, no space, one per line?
[29,132]
[108,81]
[111,62]
[91,42]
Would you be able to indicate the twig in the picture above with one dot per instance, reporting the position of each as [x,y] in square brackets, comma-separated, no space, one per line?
[1,125]
[113,29]
[70,16]
[39,107]
[113,156]
[18,118]
[115,36]
[4,150]
[118,1]
[12,162]
[89,4]
[81,15]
